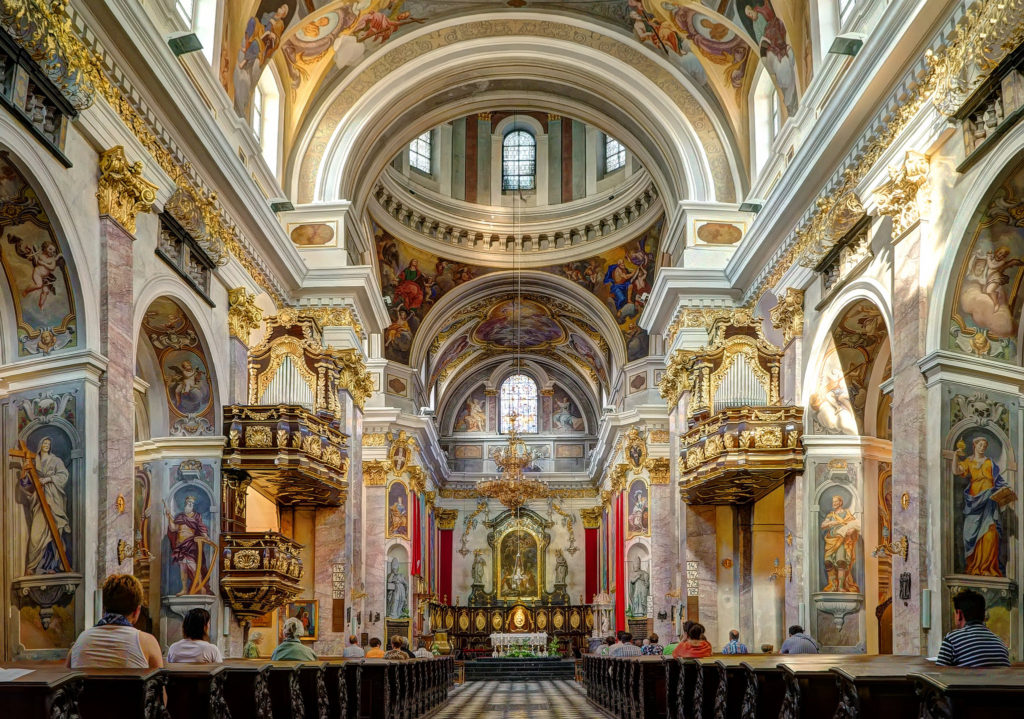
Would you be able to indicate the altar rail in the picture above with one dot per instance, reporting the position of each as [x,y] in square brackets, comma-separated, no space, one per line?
[808,686]
[470,628]
[331,688]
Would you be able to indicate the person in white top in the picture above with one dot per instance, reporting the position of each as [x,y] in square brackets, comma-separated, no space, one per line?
[114,643]
[353,649]
[195,648]
[422,652]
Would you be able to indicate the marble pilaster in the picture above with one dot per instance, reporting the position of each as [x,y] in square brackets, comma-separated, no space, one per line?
[664,556]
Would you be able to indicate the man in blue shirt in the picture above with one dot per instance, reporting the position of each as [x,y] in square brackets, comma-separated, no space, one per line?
[734,646]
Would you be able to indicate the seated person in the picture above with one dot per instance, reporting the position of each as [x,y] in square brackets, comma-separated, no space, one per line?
[422,652]
[735,646]
[292,648]
[405,648]
[695,645]
[396,652]
[195,648]
[114,643]
[375,651]
[799,642]
[971,644]
[653,646]
[603,650]
[353,649]
[252,647]
[625,647]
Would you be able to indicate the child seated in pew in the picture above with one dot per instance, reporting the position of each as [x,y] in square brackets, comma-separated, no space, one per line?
[195,647]
[114,643]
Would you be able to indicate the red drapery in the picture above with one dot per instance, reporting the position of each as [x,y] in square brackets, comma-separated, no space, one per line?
[416,535]
[445,565]
[590,546]
[620,567]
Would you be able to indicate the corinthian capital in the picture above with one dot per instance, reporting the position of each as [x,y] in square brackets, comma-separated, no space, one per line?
[243,314]
[898,197]
[788,315]
[123,193]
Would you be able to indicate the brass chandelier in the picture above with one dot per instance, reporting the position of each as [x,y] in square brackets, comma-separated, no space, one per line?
[513,488]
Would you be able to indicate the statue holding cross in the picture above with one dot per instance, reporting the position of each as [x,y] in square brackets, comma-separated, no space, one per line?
[42,481]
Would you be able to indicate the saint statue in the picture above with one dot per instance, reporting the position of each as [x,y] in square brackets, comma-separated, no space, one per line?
[985,496]
[183,531]
[639,589]
[561,568]
[479,567]
[43,555]
[842,528]
[397,591]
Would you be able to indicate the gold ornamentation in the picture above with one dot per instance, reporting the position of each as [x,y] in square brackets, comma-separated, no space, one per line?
[617,477]
[658,436]
[695,317]
[788,315]
[400,455]
[335,317]
[375,439]
[899,548]
[123,192]
[658,469]
[352,375]
[375,472]
[834,220]
[244,315]
[591,517]
[257,436]
[905,500]
[446,518]
[898,197]
[246,559]
[636,449]
[119,504]
[417,479]
[512,488]
[676,379]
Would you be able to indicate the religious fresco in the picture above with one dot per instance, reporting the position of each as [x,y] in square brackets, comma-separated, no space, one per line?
[186,373]
[473,415]
[638,522]
[518,570]
[45,473]
[314,234]
[398,510]
[980,474]
[512,324]
[307,611]
[987,301]
[840,533]
[566,417]
[189,544]
[454,352]
[837,403]
[838,581]
[36,269]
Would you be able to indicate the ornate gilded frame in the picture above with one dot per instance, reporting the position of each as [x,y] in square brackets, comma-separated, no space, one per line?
[531,523]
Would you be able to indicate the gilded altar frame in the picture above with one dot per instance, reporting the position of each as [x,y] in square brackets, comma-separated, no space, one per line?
[531,523]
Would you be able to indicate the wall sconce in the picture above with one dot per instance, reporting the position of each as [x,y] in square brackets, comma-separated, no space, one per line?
[137,550]
[905,583]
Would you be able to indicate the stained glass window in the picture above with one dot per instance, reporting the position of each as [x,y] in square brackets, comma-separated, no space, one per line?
[419,153]
[614,154]
[518,161]
[519,398]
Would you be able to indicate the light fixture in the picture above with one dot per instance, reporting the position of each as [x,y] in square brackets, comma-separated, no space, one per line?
[849,43]
[281,205]
[182,43]
[751,205]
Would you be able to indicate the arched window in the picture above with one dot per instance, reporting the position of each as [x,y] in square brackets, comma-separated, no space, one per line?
[518,161]
[519,398]
[614,154]
[419,153]
[266,116]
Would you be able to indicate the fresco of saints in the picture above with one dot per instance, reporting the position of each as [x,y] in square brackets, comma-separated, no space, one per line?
[985,496]
[842,529]
[43,556]
[410,289]
[184,531]
[638,513]
[473,418]
[262,38]
[627,280]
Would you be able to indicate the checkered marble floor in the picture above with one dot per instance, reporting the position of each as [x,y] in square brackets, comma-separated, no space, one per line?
[518,700]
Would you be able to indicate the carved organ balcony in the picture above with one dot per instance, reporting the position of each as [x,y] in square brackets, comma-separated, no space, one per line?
[260,572]
[741,442]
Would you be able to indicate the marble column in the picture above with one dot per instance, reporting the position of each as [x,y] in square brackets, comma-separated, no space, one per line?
[121,194]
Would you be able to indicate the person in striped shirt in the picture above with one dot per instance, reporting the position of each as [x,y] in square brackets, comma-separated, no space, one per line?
[972,644]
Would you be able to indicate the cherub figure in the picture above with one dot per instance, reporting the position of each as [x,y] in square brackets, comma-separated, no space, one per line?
[187,379]
[45,258]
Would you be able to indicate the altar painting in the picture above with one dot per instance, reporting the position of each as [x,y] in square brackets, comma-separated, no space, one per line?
[638,523]
[518,566]
[398,511]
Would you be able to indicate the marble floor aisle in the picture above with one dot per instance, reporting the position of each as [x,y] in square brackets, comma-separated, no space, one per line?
[518,700]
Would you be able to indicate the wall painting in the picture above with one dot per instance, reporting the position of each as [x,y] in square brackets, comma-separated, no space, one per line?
[189,546]
[398,510]
[566,417]
[638,523]
[473,415]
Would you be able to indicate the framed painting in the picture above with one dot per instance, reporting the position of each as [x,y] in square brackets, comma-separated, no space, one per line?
[638,523]
[397,524]
[307,611]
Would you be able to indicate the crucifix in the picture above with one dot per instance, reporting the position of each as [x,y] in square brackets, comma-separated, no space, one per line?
[28,467]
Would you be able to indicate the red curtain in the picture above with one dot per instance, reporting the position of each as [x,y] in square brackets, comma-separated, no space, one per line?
[590,546]
[445,565]
[620,567]
[416,536]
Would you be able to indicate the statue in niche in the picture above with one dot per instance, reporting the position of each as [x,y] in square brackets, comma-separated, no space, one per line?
[985,496]
[842,529]
[639,590]
[397,597]
[561,568]
[479,567]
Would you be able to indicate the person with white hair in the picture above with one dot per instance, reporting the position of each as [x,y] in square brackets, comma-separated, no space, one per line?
[292,647]
[252,647]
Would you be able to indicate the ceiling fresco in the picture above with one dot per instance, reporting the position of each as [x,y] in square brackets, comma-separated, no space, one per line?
[314,44]
[413,280]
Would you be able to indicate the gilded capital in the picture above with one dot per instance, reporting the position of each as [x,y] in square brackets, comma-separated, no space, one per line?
[445,517]
[788,314]
[898,197]
[244,315]
[335,317]
[591,517]
[352,375]
[676,379]
[375,472]
[658,469]
[123,193]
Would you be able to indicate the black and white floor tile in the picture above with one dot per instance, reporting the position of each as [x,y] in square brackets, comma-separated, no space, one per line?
[560,699]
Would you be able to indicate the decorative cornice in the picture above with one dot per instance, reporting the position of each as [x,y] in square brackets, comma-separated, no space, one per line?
[375,472]
[123,192]
[375,439]
[788,315]
[243,314]
[335,317]
[591,517]
[445,518]
[898,197]
[659,469]
[834,219]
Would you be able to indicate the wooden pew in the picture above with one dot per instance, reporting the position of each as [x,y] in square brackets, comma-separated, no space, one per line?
[763,686]
[196,690]
[954,693]
[246,688]
[124,692]
[704,673]
[730,685]
[673,679]
[46,692]
[870,690]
